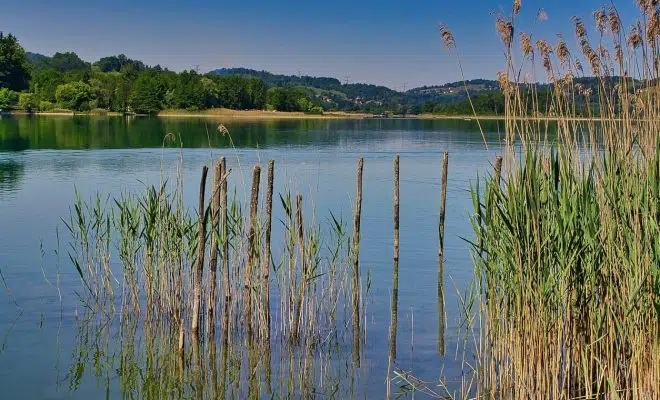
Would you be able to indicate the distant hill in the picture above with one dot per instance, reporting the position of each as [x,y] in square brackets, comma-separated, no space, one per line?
[328,90]
[35,57]
[359,95]
[450,92]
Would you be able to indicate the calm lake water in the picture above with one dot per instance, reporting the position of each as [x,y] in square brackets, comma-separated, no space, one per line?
[43,159]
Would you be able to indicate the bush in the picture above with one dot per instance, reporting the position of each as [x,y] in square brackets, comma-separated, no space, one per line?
[99,111]
[28,102]
[316,110]
[8,99]
[76,96]
[46,106]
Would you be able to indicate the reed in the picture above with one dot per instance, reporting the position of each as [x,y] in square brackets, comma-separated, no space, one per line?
[567,266]
[163,270]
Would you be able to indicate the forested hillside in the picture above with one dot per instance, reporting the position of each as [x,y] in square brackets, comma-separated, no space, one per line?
[63,81]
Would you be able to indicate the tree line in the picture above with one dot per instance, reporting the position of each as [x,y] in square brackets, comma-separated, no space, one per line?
[34,82]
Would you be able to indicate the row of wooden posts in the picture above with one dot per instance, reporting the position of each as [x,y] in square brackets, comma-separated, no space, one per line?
[218,213]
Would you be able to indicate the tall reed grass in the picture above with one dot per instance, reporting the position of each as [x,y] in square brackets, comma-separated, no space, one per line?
[146,258]
[567,249]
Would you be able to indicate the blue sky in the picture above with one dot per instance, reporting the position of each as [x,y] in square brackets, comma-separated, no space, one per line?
[394,43]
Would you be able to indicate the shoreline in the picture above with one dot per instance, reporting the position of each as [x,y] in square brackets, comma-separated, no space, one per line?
[261,115]
[257,114]
[219,113]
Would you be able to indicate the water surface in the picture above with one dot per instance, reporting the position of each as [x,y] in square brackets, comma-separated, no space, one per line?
[44,159]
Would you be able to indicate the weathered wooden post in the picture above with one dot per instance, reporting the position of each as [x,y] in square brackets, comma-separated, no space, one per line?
[356,265]
[498,170]
[225,231]
[215,228]
[252,240]
[201,237]
[269,219]
[441,251]
[395,279]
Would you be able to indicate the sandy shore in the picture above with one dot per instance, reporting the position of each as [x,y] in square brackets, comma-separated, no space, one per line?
[224,113]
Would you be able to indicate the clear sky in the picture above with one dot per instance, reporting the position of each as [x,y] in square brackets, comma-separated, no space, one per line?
[394,43]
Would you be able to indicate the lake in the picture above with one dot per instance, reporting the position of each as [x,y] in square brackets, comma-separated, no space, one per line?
[45,160]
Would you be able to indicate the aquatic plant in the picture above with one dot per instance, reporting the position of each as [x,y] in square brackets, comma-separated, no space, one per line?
[567,257]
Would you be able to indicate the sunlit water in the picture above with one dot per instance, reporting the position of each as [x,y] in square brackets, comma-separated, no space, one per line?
[42,161]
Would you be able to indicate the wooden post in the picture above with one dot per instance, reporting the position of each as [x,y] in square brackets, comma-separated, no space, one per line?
[201,237]
[395,278]
[396,208]
[269,219]
[441,251]
[252,239]
[356,265]
[225,232]
[213,261]
[269,223]
[303,268]
[498,170]
[443,202]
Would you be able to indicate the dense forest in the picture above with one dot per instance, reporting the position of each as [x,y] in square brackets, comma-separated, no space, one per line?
[34,82]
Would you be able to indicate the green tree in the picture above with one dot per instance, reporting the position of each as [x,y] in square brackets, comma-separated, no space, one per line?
[76,96]
[148,94]
[128,75]
[28,102]
[188,92]
[211,94]
[63,62]
[115,63]
[291,99]
[14,70]
[44,83]
[8,99]
[257,92]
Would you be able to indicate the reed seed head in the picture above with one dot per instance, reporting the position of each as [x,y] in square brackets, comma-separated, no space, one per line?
[526,45]
[447,36]
[600,16]
[505,29]
[562,52]
[634,39]
[618,53]
[541,15]
[222,130]
[516,7]
[615,21]
[544,47]
[580,30]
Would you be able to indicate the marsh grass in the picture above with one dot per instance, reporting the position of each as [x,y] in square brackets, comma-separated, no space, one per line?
[144,269]
[566,299]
